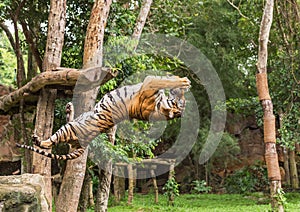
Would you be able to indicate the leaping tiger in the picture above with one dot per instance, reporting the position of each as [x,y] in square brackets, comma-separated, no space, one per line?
[143,101]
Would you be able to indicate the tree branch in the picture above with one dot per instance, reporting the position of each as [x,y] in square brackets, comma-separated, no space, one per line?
[141,19]
[237,8]
[264,37]
[9,36]
[32,44]
[61,76]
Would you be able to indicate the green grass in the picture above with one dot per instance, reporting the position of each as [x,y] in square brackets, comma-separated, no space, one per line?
[205,203]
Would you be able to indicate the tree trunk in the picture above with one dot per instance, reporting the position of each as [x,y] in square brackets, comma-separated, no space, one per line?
[91,195]
[297,148]
[75,170]
[21,78]
[271,156]
[105,176]
[141,20]
[117,195]
[32,45]
[293,170]
[43,128]
[171,175]
[286,166]
[95,33]
[102,196]
[130,184]
[45,106]
[153,176]
[84,196]
[119,184]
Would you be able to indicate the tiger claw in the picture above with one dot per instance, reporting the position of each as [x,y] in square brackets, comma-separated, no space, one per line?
[186,83]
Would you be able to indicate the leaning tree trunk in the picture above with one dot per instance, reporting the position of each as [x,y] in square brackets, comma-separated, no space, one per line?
[141,20]
[271,156]
[45,107]
[73,177]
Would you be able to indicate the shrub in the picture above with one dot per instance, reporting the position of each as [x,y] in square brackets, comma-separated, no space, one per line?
[200,186]
[249,179]
[171,189]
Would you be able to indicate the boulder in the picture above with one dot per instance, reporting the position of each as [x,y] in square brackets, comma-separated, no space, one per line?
[23,193]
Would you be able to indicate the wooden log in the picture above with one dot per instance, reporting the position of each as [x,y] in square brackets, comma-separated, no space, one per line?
[61,76]
[130,184]
[171,175]
[154,185]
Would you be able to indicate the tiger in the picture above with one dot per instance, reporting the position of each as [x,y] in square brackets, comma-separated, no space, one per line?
[145,101]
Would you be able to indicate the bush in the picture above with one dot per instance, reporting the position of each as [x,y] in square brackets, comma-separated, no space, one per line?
[200,186]
[249,179]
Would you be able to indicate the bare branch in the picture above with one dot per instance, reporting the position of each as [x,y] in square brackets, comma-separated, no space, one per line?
[237,8]
[20,6]
[9,36]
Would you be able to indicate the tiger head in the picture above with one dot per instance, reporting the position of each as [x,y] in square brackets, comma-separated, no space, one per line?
[176,102]
[171,106]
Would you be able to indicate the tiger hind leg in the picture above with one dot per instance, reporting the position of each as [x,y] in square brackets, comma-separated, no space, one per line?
[47,144]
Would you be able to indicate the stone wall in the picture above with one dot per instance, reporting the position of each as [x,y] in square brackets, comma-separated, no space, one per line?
[23,193]
[249,135]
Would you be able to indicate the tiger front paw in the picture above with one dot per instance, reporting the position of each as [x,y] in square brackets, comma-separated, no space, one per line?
[186,83]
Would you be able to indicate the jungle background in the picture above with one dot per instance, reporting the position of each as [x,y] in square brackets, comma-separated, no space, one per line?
[226,32]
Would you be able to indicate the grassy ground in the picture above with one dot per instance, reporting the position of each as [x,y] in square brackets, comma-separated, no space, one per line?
[206,203]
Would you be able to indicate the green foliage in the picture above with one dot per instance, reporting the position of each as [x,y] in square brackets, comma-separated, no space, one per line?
[100,149]
[242,105]
[171,17]
[78,12]
[200,186]
[171,189]
[121,20]
[60,113]
[8,63]
[132,144]
[248,179]
[133,137]
[226,152]
[280,197]
[217,33]
[290,129]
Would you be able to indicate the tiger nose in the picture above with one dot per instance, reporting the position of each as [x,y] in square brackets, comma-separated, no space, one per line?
[178,114]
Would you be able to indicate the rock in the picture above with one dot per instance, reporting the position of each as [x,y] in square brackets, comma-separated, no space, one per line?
[23,193]
[7,148]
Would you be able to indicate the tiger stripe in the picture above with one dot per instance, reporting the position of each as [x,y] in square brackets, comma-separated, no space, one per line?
[141,101]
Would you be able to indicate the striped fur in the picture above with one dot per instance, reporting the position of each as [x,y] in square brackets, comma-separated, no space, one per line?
[143,101]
